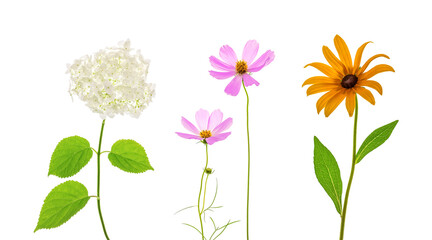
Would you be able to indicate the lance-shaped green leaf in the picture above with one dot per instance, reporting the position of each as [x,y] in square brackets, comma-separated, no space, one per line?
[61,204]
[375,139]
[328,173]
[70,155]
[129,156]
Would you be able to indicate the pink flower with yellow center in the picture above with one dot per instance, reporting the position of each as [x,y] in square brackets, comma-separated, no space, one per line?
[239,68]
[210,127]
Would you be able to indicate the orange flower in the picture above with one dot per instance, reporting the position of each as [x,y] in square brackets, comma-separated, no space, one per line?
[344,79]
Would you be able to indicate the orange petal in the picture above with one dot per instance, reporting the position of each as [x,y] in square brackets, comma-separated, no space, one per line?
[343,52]
[321,87]
[319,79]
[334,102]
[322,101]
[366,94]
[363,68]
[372,84]
[326,69]
[375,70]
[358,57]
[350,102]
[334,61]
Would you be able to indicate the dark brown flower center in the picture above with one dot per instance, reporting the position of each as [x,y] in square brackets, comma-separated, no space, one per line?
[205,134]
[349,81]
[241,67]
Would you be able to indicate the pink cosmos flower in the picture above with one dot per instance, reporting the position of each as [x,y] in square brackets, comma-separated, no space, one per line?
[210,127]
[240,69]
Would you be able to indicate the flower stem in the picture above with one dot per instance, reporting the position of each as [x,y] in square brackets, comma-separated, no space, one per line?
[351,175]
[98,180]
[247,128]
[199,196]
[204,195]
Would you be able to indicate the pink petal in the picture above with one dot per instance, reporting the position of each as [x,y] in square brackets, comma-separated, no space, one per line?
[250,51]
[189,136]
[217,138]
[228,55]
[189,126]
[249,80]
[218,64]
[222,75]
[262,61]
[215,119]
[233,87]
[202,117]
[223,126]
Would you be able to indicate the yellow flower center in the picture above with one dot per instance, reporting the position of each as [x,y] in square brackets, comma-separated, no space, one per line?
[205,134]
[349,81]
[241,67]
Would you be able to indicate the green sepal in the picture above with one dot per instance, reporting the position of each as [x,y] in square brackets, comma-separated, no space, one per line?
[328,173]
[63,202]
[129,156]
[375,139]
[70,156]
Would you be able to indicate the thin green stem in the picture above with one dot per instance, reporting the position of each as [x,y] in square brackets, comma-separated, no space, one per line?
[98,180]
[199,195]
[247,128]
[205,191]
[352,173]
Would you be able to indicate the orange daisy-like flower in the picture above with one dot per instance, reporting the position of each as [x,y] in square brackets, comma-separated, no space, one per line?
[344,79]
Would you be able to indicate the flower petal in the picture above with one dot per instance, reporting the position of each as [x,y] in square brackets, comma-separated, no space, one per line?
[366,94]
[250,51]
[217,138]
[214,119]
[189,126]
[321,87]
[188,136]
[221,75]
[228,55]
[218,64]
[319,79]
[358,57]
[334,102]
[343,52]
[334,61]
[375,70]
[322,101]
[350,101]
[262,61]
[372,84]
[233,87]
[202,117]
[363,68]
[326,69]
[249,80]
[223,126]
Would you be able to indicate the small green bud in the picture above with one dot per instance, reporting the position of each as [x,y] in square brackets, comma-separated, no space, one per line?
[208,170]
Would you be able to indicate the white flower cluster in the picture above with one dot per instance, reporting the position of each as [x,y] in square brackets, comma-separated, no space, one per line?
[112,81]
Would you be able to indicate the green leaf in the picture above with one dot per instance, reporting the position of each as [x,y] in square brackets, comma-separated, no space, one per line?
[129,156]
[61,204]
[70,155]
[328,173]
[375,139]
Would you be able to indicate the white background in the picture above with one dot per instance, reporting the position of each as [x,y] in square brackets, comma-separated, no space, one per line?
[391,193]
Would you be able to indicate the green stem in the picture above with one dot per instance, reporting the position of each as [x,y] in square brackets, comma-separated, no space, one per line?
[247,128]
[205,191]
[199,196]
[351,175]
[98,180]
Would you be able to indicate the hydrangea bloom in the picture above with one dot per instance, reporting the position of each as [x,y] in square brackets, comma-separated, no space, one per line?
[210,127]
[240,69]
[112,81]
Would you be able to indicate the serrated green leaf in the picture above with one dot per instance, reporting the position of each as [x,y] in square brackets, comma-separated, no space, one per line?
[63,202]
[129,156]
[70,156]
[328,173]
[375,139]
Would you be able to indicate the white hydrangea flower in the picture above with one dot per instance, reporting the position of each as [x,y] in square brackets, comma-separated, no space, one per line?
[112,81]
